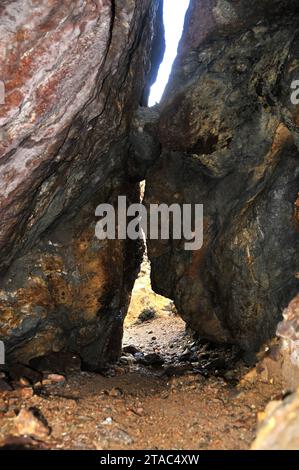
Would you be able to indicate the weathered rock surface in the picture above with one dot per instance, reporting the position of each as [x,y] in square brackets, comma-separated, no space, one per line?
[31,423]
[73,136]
[229,136]
[288,346]
[279,429]
[74,74]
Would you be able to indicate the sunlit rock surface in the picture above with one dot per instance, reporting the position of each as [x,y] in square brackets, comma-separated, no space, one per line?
[279,428]
[74,73]
[229,136]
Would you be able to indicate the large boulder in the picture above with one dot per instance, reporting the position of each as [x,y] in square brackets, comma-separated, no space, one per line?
[229,136]
[74,73]
[279,428]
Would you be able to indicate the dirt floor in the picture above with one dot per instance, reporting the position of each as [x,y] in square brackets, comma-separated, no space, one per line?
[169,391]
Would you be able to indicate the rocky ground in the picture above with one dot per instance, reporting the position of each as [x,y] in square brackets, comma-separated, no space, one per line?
[169,391]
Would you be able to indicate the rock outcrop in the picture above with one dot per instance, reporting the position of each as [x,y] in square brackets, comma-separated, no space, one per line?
[73,135]
[279,429]
[229,136]
[74,73]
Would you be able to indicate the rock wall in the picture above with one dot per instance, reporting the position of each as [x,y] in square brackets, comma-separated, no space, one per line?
[229,136]
[73,135]
[279,429]
[74,73]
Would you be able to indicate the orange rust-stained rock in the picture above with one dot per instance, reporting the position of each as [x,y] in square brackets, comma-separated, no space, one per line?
[74,74]
[29,423]
[74,294]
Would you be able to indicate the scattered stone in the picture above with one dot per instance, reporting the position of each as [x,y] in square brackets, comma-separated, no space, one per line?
[280,425]
[115,392]
[249,378]
[122,437]
[56,378]
[3,405]
[131,349]
[230,375]
[152,359]
[24,382]
[31,423]
[116,435]
[20,372]
[139,411]
[77,65]
[139,357]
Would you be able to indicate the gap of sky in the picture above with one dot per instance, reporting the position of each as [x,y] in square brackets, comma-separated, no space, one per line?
[174,15]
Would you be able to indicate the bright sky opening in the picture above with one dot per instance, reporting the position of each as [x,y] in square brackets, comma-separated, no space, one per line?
[174,15]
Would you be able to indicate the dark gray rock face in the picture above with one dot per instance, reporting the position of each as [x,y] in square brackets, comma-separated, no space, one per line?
[144,147]
[229,136]
[74,74]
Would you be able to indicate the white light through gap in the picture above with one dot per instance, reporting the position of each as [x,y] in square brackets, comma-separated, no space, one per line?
[174,15]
